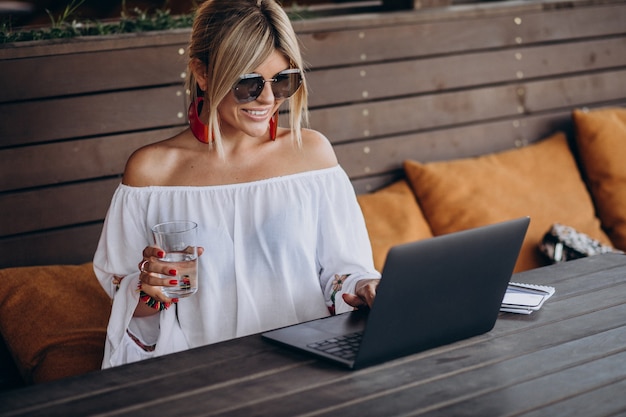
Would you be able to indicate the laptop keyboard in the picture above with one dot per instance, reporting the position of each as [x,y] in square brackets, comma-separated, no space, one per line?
[344,347]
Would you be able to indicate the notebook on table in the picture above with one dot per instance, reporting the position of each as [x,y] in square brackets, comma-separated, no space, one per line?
[432,292]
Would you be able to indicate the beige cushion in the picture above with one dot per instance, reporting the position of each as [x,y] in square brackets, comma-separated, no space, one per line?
[392,217]
[601,140]
[53,319]
[541,181]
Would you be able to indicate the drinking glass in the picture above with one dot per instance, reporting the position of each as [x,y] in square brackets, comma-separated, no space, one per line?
[179,241]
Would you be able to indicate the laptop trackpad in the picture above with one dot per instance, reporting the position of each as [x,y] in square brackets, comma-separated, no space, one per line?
[340,324]
[314,331]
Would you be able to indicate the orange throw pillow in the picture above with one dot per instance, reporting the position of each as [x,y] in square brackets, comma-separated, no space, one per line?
[601,140]
[541,180]
[53,319]
[392,217]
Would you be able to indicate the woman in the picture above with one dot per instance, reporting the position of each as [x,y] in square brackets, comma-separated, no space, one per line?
[283,239]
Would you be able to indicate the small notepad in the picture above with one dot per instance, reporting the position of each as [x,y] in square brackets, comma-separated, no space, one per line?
[525,298]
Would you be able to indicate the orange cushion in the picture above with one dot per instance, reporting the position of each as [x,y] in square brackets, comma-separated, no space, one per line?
[53,319]
[541,181]
[601,139]
[392,217]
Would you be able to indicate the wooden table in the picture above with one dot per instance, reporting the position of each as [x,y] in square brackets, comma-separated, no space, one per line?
[568,359]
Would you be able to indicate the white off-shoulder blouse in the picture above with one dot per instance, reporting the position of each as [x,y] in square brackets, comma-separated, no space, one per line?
[272,252]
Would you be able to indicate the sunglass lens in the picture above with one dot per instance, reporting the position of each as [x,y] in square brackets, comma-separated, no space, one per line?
[248,89]
[286,84]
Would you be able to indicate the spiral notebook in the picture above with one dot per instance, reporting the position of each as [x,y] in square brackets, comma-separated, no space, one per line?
[432,292]
[525,298]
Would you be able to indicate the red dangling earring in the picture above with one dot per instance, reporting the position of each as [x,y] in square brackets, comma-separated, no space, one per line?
[273,126]
[199,129]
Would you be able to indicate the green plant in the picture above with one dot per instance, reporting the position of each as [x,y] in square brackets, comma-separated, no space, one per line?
[68,12]
[61,27]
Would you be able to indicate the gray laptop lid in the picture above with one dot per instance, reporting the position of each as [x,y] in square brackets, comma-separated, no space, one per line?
[433,292]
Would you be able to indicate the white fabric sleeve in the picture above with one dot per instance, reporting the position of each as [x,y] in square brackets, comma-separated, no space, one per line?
[119,251]
[344,248]
[123,238]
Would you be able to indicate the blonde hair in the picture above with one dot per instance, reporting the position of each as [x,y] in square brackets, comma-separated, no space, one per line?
[233,37]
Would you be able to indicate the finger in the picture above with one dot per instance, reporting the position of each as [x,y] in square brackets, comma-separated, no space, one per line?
[157,280]
[366,290]
[200,250]
[143,265]
[353,301]
[156,273]
[156,293]
[152,264]
[368,293]
[153,252]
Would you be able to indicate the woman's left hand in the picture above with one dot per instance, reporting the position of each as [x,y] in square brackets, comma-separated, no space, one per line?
[365,293]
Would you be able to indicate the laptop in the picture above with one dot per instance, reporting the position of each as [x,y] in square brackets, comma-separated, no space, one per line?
[432,292]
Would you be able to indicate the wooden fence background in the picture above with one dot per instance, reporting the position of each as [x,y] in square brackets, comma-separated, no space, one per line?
[431,84]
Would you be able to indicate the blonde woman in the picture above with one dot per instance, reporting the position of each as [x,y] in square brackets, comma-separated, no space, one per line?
[282,236]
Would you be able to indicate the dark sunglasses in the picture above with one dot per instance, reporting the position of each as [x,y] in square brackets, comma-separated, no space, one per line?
[284,85]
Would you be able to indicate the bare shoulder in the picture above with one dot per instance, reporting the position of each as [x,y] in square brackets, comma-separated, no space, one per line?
[318,149]
[149,164]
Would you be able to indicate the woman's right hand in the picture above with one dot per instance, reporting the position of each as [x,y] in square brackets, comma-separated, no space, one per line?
[154,272]
[153,276]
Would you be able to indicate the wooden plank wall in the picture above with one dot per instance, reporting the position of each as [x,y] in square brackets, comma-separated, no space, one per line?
[70,115]
[456,87]
[385,87]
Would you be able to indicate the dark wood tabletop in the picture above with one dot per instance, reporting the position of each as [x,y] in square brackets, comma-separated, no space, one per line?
[568,359]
